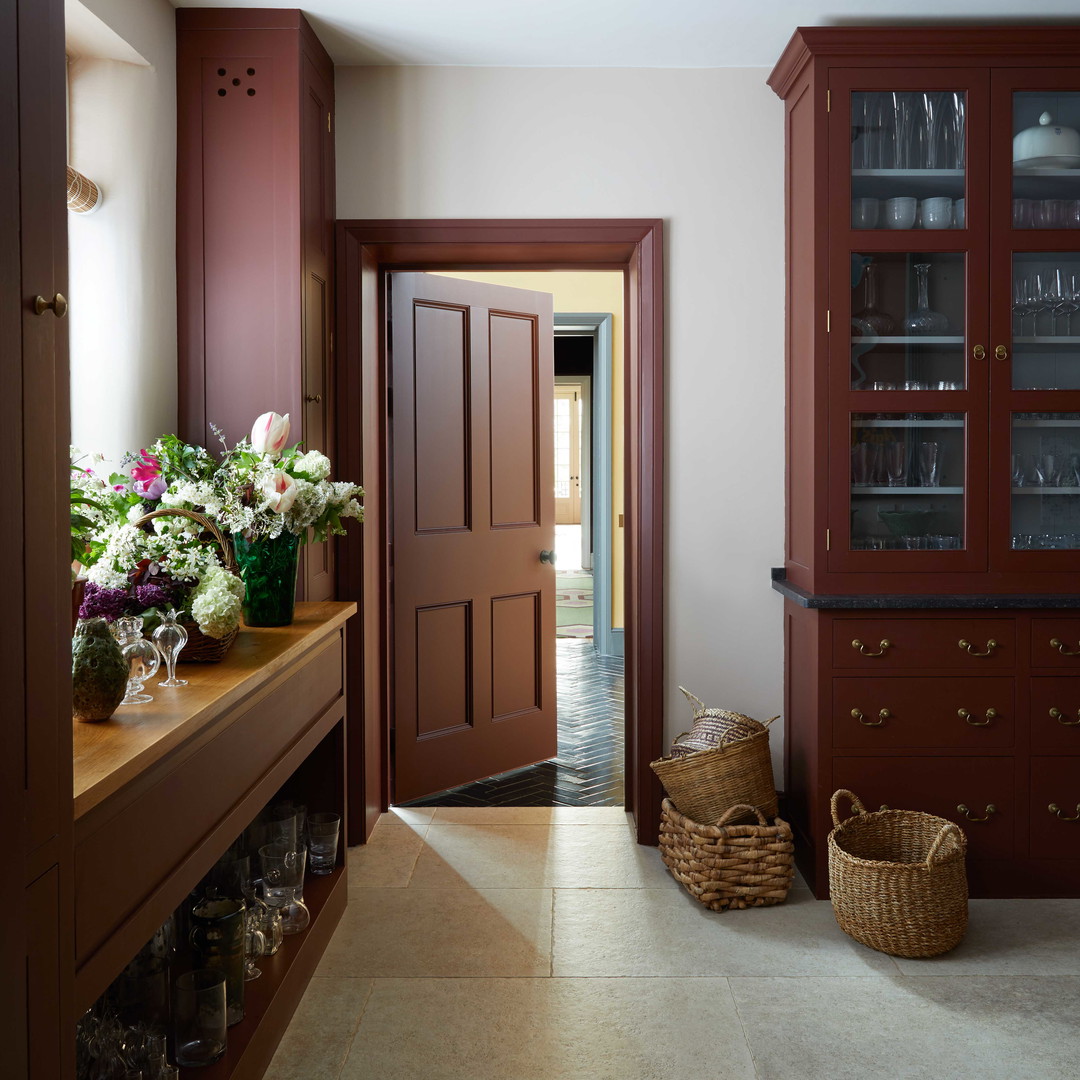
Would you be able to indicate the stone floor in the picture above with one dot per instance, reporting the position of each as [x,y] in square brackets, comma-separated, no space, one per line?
[532,943]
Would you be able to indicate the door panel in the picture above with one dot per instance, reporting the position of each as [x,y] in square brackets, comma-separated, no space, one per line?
[474,617]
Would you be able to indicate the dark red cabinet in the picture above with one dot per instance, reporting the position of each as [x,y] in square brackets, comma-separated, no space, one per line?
[933,437]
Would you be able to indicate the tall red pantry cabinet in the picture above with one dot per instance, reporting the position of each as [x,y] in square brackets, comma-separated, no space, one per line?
[932,571]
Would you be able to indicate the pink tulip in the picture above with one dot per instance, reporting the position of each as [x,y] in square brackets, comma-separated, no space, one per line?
[270,433]
[148,469]
[280,491]
[151,489]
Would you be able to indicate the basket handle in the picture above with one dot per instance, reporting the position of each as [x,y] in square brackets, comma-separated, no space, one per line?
[203,522]
[766,723]
[947,828]
[699,705]
[856,804]
[726,816]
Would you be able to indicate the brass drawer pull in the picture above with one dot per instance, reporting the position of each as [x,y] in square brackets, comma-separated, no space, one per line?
[966,715]
[990,809]
[1059,716]
[884,645]
[1062,647]
[991,645]
[1055,809]
[883,715]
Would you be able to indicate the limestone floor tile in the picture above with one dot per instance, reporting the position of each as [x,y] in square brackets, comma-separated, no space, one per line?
[537,857]
[648,932]
[386,861]
[442,933]
[317,1039]
[530,815]
[549,1029]
[419,817]
[965,1028]
[1012,937]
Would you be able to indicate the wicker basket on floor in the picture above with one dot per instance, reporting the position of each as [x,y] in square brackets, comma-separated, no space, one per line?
[897,879]
[713,727]
[728,866]
[703,785]
[200,648]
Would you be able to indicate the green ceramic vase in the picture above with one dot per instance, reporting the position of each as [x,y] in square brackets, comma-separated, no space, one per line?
[99,673]
[268,568]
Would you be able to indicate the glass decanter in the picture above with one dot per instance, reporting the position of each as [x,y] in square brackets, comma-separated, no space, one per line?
[870,320]
[923,322]
[170,637]
[141,656]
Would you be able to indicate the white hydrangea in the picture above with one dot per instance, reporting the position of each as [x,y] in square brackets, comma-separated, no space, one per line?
[216,602]
[313,464]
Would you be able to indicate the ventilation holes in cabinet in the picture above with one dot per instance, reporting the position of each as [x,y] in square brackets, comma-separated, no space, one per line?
[223,73]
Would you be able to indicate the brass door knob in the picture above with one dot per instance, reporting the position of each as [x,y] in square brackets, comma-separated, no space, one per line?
[978,353]
[58,305]
[547,556]
[1001,352]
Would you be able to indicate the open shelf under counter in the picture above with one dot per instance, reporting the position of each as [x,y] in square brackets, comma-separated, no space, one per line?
[161,791]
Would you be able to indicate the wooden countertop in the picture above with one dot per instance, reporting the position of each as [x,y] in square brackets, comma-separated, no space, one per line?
[109,754]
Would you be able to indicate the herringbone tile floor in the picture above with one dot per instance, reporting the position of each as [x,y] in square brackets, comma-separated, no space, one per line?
[589,768]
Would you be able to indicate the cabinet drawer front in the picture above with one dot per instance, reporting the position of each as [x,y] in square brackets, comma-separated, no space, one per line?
[1055,834]
[897,713]
[940,785]
[884,644]
[1055,714]
[1055,642]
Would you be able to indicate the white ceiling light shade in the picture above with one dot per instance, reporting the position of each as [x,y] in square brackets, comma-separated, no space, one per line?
[83,195]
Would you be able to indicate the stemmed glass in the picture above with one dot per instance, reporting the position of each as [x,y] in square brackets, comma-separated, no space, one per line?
[170,637]
[1038,297]
[1062,304]
[1022,306]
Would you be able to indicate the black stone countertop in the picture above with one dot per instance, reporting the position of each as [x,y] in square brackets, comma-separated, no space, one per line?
[967,601]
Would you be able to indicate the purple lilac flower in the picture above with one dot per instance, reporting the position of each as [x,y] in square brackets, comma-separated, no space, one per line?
[100,602]
[149,596]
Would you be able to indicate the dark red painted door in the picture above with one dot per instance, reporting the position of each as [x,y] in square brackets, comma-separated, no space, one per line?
[473,508]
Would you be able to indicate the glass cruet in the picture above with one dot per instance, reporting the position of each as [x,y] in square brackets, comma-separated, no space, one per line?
[922,321]
[170,637]
[141,656]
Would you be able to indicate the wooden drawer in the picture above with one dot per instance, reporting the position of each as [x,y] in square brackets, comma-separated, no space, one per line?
[1055,642]
[907,713]
[938,785]
[1055,714]
[1055,782]
[924,643]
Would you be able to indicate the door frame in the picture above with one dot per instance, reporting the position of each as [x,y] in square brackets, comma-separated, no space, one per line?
[369,250]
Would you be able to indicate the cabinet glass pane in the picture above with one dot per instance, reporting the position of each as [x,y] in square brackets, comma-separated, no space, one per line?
[1046,325]
[907,481]
[907,323]
[1046,160]
[1045,480]
[907,159]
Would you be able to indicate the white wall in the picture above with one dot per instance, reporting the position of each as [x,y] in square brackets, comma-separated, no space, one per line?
[702,149]
[122,134]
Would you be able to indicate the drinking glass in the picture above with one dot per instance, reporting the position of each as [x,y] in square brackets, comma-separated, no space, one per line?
[323,831]
[199,1017]
[283,883]
[218,926]
[929,463]
[896,463]
[1022,306]
[903,103]
[1062,304]
[170,637]
[1018,474]
[1038,297]
[1022,213]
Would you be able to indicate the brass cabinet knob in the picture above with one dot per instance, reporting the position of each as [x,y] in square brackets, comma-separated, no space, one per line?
[883,647]
[968,647]
[1059,716]
[1055,809]
[1056,643]
[1001,352]
[968,717]
[313,398]
[58,305]
[978,353]
[990,809]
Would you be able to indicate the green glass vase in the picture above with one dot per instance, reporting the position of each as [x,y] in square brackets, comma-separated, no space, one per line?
[268,568]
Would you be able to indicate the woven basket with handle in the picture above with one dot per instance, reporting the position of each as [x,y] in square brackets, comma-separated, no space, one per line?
[727,865]
[201,648]
[713,727]
[897,879]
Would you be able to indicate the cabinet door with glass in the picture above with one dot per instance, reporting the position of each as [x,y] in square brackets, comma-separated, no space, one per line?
[1035,290]
[908,387]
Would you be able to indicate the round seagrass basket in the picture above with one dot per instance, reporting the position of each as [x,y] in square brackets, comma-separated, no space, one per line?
[897,879]
[725,865]
[713,727]
[201,648]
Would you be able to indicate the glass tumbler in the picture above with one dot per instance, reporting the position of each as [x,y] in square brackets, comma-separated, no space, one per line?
[323,831]
[199,1025]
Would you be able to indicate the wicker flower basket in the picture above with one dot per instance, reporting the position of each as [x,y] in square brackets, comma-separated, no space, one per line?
[703,785]
[201,648]
[725,865]
[898,880]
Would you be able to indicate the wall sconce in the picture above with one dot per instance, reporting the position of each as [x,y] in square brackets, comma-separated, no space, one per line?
[83,195]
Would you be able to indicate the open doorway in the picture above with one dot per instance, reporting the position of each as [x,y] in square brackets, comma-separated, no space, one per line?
[369,252]
[586,474]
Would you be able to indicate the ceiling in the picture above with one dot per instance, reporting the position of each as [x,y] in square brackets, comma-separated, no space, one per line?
[609,33]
